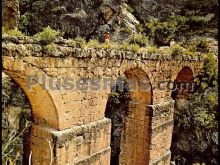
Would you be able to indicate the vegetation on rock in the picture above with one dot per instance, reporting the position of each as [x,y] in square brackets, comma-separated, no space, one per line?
[13,32]
[47,36]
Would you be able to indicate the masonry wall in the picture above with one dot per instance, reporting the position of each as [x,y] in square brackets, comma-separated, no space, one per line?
[135,141]
[73,120]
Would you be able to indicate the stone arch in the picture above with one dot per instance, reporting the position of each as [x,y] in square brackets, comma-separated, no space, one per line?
[141,66]
[42,103]
[189,66]
[184,83]
[135,122]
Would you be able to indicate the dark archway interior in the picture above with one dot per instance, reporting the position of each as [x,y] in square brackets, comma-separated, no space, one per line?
[183,83]
[116,110]
[16,122]
[127,108]
[184,89]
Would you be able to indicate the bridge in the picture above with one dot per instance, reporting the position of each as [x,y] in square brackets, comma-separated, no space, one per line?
[70,126]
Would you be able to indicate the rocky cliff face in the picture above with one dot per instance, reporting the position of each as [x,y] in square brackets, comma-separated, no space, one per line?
[11,14]
[122,18]
[88,18]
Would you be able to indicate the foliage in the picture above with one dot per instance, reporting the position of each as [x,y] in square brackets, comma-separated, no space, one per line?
[11,142]
[108,45]
[113,45]
[130,47]
[140,28]
[189,53]
[202,46]
[208,77]
[198,117]
[80,42]
[201,20]
[177,50]
[138,39]
[13,32]
[152,49]
[200,112]
[144,49]
[93,43]
[47,36]
[164,31]
[24,22]
[119,92]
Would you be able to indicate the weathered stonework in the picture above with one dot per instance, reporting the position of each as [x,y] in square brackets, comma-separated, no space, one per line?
[73,120]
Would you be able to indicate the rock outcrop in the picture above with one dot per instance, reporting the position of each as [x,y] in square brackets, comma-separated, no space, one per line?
[11,14]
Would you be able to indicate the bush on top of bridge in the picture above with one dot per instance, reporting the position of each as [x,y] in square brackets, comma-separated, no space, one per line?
[47,36]
[138,39]
[13,32]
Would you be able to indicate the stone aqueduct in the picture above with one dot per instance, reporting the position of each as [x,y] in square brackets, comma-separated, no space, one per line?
[74,121]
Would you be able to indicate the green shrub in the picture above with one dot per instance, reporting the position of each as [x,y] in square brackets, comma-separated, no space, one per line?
[94,43]
[208,77]
[138,39]
[134,48]
[177,50]
[189,53]
[80,42]
[202,46]
[13,32]
[164,31]
[130,47]
[201,20]
[152,49]
[24,22]
[143,49]
[199,45]
[47,36]
[106,45]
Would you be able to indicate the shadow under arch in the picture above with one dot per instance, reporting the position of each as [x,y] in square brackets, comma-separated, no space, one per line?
[24,119]
[131,119]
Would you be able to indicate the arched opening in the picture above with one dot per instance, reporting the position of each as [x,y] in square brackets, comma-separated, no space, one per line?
[184,87]
[43,104]
[128,110]
[16,123]
[184,84]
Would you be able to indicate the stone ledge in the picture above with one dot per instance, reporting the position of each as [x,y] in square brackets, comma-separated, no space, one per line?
[93,158]
[165,107]
[156,130]
[162,158]
[26,46]
[66,135]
